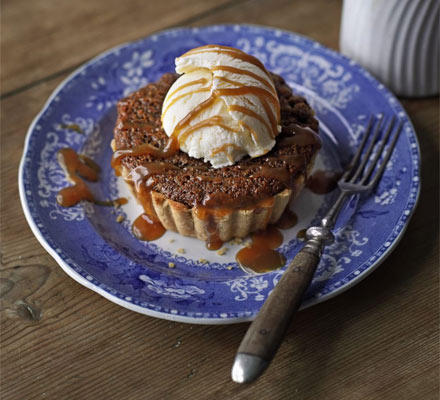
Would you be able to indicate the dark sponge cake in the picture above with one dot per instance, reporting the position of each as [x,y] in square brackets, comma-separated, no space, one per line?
[193,182]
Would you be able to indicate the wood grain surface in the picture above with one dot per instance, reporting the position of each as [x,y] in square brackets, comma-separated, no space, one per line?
[59,340]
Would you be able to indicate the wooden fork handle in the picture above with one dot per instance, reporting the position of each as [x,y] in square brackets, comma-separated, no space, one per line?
[266,332]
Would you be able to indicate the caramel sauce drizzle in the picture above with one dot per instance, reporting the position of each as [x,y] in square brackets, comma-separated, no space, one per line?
[301,235]
[169,150]
[281,174]
[287,220]
[235,53]
[214,244]
[241,71]
[224,148]
[323,182]
[253,114]
[230,81]
[184,123]
[189,93]
[249,112]
[264,103]
[213,209]
[273,121]
[77,167]
[243,90]
[140,178]
[262,94]
[250,130]
[147,228]
[108,203]
[209,216]
[261,255]
[217,120]
[302,136]
[140,175]
[200,81]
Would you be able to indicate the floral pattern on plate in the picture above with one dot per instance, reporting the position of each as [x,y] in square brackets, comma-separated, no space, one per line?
[202,286]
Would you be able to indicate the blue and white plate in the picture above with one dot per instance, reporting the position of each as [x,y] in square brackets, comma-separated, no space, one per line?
[205,287]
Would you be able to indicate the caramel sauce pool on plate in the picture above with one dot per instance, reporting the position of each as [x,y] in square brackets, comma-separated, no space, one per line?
[261,255]
[77,168]
[146,228]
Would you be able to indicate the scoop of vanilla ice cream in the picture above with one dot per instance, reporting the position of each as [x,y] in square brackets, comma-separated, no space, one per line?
[223,107]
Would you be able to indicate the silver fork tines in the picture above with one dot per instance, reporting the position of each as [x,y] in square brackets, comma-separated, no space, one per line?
[360,175]
[359,178]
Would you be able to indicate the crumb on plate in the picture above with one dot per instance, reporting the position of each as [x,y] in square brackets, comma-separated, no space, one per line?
[222,251]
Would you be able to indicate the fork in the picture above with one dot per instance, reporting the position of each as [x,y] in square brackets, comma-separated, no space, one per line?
[266,332]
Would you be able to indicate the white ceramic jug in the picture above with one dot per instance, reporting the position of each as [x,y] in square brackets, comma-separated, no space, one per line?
[396,40]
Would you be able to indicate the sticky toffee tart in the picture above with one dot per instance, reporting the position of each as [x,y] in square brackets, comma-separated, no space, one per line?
[188,195]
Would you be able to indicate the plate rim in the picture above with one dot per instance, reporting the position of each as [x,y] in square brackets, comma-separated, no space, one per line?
[182,318]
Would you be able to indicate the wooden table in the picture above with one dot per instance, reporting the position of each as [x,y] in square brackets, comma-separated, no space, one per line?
[62,341]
